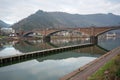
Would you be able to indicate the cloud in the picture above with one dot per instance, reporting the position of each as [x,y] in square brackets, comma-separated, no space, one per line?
[15,10]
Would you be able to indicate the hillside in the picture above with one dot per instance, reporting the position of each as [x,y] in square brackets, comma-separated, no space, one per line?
[42,19]
[3,24]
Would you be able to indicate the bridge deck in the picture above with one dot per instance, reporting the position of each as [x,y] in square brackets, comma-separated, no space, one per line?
[16,57]
[84,72]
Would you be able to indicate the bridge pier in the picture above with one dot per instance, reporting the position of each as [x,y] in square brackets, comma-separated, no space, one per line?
[46,39]
[94,39]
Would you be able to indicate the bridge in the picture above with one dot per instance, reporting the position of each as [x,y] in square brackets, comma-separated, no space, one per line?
[92,32]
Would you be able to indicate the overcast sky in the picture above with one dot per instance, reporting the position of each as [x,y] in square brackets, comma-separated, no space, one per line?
[12,11]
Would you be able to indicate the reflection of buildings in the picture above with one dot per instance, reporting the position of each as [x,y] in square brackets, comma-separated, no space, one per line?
[4,44]
[69,41]
[30,46]
[111,34]
[111,37]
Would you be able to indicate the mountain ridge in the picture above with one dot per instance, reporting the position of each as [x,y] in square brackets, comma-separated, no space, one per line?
[3,24]
[42,19]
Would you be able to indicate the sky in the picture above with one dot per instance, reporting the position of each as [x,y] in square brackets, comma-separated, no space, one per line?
[11,11]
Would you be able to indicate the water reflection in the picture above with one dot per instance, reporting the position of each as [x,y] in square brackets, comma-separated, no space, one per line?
[109,43]
[69,41]
[29,46]
[93,51]
[90,51]
[51,67]
[20,47]
[46,70]
[7,49]
[109,38]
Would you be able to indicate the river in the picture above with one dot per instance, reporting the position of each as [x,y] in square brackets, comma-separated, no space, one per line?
[54,66]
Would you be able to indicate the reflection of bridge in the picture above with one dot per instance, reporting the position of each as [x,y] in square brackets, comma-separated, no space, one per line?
[84,50]
[30,46]
[93,32]
[27,46]
[96,49]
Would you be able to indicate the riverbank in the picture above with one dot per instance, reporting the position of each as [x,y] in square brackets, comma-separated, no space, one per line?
[111,70]
[84,72]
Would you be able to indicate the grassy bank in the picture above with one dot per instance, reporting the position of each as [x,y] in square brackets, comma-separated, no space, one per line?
[110,71]
[2,37]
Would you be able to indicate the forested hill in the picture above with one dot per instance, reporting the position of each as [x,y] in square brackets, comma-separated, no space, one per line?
[42,19]
[3,24]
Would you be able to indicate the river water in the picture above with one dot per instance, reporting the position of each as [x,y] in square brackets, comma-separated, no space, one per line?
[55,66]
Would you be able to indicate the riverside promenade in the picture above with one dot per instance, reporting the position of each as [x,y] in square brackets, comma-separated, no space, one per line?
[87,70]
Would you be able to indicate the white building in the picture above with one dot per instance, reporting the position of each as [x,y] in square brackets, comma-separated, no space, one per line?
[7,30]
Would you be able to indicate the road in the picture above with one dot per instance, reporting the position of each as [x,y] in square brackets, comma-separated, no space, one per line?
[87,70]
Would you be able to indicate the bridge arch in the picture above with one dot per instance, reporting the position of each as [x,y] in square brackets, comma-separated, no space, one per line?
[28,33]
[114,28]
[47,38]
[94,38]
[61,31]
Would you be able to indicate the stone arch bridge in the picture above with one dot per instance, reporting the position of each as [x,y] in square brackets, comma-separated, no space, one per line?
[93,32]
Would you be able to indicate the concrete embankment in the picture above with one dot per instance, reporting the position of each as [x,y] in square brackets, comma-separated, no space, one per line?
[87,70]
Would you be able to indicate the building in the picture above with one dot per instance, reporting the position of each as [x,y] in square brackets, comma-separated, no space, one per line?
[7,31]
